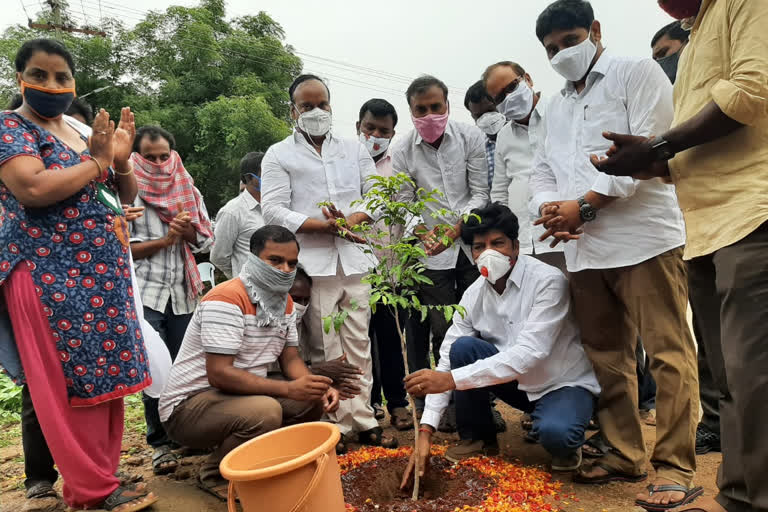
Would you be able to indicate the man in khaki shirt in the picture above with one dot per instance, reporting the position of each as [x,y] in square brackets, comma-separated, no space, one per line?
[717,155]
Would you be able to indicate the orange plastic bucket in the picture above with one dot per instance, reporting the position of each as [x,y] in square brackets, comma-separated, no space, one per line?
[292,469]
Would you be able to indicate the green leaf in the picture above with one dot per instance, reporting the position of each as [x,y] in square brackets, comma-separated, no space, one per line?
[448,313]
[424,312]
[327,322]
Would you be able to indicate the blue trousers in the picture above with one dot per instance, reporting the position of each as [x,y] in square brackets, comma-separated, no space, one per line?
[559,418]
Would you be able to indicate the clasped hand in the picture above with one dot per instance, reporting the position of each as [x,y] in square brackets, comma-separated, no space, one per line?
[562,219]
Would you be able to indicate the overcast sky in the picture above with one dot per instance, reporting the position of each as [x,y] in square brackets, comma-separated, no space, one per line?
[401,39]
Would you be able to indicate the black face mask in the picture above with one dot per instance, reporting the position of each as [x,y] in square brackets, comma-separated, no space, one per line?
[47,103]
[669,65]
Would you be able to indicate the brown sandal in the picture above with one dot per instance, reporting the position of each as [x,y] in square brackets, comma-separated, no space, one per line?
[375,437]
[401,418]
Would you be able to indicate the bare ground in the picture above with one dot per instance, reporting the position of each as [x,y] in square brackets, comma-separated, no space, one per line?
[179,493]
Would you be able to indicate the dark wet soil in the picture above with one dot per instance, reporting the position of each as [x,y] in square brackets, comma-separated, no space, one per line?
[375,487]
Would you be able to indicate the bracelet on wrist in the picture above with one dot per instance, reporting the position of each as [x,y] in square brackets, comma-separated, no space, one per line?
[103,173]
[427,430]
[130,171]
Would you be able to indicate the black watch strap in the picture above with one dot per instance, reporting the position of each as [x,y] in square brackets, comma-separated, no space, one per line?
[662,150]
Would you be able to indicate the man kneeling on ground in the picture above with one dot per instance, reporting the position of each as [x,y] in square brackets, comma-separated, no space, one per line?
[518,341]
[218,395]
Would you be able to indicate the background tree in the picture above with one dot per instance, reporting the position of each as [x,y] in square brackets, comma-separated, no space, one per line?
[219,85]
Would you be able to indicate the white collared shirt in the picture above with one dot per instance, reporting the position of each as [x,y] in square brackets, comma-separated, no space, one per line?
[295,178]
[532,327]
[458,169]
[622,95]
[235,223]
[515,147]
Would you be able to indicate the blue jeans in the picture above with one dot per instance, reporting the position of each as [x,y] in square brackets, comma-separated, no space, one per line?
[559,418]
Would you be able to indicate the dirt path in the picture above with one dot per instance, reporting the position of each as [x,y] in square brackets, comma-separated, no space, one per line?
[180,494]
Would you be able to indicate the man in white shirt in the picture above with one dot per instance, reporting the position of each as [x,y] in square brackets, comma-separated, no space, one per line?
[625,250]
[310,166]
[376,129]
[517,340]
[483,112]
[511,91]
[238,219]
[448,156]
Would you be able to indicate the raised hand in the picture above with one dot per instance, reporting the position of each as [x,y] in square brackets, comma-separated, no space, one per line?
[100,143]
[124,135]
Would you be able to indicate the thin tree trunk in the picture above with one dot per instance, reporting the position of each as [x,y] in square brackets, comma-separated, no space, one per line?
[416,469]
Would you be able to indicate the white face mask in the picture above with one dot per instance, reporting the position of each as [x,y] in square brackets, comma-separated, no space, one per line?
[573,63]
[301,310]
[316,122]
[491,122]
[374,145]
[518,104]
[493,265]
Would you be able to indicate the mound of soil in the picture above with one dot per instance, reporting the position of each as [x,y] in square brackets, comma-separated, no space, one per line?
[375,487]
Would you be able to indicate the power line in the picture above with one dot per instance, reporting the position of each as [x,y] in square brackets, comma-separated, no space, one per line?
[25,10]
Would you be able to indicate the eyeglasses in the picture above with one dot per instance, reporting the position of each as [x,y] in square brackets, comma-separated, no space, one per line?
[510,88]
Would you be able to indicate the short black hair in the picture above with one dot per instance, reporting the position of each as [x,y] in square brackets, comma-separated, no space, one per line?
[302,274]
[80,107]
[251,164]
[16,102]
[305,78]
[154,133]
[674,31]
[421,84]
[564,15]
[49,46]
[379,108]
[495,216]
[273,233]
[475,94]
[504,63]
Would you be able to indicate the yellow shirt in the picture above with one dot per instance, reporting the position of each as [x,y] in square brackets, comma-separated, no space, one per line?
[722,186]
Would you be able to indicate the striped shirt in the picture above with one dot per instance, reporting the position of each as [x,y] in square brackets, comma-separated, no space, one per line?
[490,157]
[224,323]
[161,276]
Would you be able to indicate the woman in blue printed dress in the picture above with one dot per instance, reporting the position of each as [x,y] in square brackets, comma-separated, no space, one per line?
[65,275]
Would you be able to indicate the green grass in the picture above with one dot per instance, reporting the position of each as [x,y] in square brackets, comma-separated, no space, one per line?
[10,435]
[134,415]
[10,401]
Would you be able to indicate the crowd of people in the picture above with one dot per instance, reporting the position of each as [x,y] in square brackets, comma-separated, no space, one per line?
[582,226]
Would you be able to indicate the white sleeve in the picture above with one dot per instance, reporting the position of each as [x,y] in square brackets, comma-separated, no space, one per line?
[461,326]
[276,194]
[650,111]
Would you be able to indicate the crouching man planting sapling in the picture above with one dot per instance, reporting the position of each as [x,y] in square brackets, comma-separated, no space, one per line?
[517,340]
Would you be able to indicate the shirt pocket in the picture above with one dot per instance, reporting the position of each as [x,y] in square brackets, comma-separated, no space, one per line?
[610,116]
[705,62]
[346,175]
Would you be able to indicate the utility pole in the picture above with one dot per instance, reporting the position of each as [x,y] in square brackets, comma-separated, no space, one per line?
[57,7]
[56,10]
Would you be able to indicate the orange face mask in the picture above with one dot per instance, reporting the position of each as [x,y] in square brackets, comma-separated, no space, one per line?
[47,103]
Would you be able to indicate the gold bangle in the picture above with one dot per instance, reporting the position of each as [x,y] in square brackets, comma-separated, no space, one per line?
[123,173]
[101,168]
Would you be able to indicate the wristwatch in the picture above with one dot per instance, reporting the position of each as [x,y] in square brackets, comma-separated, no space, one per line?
[587,212]
[662,150]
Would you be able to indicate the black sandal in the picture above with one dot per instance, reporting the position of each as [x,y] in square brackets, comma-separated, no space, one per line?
[690,496]
[130,499]
[375,437]
[164,461]
[341,446]
[41,490]
[595,447]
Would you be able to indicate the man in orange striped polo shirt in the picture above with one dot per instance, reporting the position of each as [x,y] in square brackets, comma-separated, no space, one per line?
[218,394]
